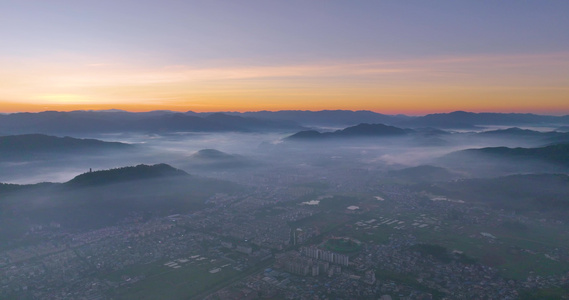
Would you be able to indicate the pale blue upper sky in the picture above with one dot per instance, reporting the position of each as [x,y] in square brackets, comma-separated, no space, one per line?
[148,39]
[272,31]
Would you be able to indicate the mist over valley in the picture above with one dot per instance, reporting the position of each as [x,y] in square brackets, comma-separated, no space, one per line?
[479,194]
[222,150]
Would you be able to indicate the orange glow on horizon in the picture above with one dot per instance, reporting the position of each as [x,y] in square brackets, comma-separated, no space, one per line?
[17,108]
[530,83]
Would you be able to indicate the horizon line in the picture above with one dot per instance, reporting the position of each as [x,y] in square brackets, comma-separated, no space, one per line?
[116,110]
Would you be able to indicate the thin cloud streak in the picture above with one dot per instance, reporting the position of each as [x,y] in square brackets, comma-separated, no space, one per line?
[106,82]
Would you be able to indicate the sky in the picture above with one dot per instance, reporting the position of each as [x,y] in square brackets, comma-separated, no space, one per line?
[410,57]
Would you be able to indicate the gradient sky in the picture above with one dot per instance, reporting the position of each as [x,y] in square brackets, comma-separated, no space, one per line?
[411,57]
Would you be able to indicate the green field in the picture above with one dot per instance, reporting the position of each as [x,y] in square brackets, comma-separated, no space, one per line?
[163,282]
[508,252]
[515,252]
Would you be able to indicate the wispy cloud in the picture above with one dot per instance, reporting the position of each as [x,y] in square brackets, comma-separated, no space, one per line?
[85,80]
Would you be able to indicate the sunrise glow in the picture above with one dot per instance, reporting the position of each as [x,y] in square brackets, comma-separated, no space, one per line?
[174,69]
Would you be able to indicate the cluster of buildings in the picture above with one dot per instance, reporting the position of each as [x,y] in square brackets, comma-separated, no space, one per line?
[248,230]
[79,265]
[325,255]
[295,263]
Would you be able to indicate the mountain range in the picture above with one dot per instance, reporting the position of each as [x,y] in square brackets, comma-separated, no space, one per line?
[536,138]
[35,146]
[53,122]
[557,154]
[360,130]
[457,119]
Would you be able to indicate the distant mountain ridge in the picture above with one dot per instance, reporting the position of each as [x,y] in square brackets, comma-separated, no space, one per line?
[360,130]
[53,122]
[34,145]
[457,119]
[515,131]
[328,117]
[462,119]
[542,138]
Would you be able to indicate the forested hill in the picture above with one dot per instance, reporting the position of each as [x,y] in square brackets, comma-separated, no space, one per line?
[125,174]
[556,154]
[102,198]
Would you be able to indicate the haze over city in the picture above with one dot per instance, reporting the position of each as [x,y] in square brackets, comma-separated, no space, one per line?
[328,150]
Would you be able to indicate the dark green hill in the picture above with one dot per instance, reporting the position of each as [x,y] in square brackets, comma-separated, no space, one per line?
[125,174]
[103,198]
